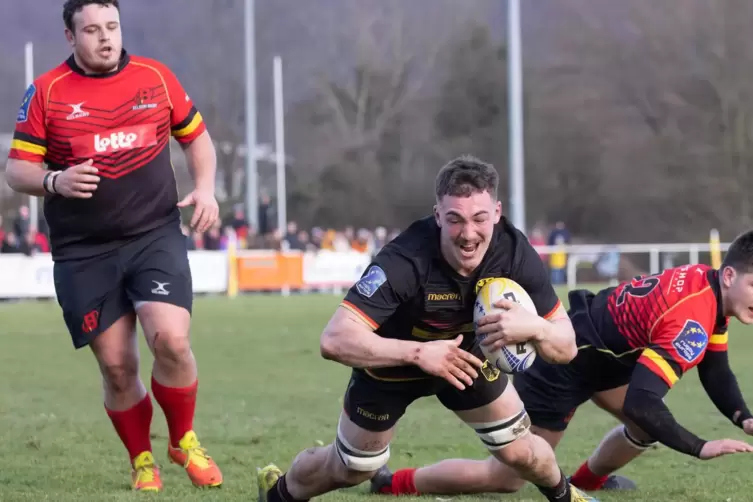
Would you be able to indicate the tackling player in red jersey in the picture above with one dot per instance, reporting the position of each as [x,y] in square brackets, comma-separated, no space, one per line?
[101,122]
[635,342]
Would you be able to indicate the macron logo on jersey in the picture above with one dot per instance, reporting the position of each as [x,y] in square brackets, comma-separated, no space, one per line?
[114,140]
[691,341]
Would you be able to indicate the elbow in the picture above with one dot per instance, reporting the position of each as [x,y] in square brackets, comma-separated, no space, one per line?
[328,346]
[568,352]
[10,176]
[561,352]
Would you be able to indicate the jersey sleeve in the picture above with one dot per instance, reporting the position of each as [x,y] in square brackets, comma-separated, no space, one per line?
[678,343]
[718,341]
[186,123]
[389,281]
[30,136]
[530,273]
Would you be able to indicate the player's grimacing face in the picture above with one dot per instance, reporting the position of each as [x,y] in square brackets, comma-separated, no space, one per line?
[97,40]
[466,228]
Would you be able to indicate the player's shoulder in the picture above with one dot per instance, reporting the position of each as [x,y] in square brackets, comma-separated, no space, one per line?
[159,68]
[509,245]
[43,82]
[417,245]
[147,61]
[692,281]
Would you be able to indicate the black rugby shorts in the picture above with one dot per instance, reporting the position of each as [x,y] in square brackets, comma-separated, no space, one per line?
[95,292]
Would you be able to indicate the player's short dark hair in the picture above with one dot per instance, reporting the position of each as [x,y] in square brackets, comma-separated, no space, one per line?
[740,253]
[72,6]
[466,175]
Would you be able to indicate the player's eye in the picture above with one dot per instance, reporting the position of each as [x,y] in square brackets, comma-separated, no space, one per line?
[112,26]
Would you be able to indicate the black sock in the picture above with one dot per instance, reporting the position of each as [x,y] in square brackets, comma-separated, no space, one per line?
[279,492]
[558,493]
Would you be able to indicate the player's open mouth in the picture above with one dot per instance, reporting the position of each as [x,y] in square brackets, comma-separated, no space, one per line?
[105,51]
[468,250]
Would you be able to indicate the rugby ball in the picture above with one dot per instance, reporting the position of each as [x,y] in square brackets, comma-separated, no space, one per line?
[513,358]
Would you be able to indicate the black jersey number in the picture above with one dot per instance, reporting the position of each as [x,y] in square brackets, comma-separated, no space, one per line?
[642,288]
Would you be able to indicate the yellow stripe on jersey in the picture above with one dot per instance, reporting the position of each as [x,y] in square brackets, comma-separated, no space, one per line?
[719,339]
[191,127]
[27,147]
[662,365]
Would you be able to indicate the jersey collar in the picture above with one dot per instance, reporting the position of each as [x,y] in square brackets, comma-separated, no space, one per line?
[125,58]
[721,320]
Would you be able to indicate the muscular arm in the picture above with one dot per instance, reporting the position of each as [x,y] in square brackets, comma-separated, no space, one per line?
[25,177]
[348,340]
[555,342]
[722,388]
[202,159]
[645,407]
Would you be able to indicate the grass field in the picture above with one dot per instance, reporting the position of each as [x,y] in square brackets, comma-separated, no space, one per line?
[264,395]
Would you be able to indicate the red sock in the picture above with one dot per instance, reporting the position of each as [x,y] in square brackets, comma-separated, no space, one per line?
[179,405]
[132,425]
[587,480]
[402,483]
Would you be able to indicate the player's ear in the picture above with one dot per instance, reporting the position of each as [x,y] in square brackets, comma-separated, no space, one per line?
[70,37]
[728,276]
[436,215]
[497,211]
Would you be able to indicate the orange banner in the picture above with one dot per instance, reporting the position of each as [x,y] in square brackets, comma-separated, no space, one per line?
[270,271]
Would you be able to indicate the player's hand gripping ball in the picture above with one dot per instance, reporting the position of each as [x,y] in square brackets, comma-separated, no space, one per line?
[515,357]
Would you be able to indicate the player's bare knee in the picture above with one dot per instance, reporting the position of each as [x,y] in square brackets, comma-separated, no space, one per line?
[121,377]
[171,347]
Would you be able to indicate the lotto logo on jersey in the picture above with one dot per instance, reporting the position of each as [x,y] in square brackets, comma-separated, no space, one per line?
[691,341]
[115,140]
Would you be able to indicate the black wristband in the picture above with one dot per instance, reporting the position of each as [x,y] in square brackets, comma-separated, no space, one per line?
[45,180]
[54,178]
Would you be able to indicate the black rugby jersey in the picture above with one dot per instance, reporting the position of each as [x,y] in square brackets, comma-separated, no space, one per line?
[410,292]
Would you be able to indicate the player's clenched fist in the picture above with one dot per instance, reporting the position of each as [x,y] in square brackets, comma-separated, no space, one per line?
[77,182]
[720,447]
[445,359]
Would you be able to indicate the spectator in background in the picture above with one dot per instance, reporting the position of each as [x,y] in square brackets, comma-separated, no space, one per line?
[237,221]
[559,236]
[317,234]
[212,238]
[349,233]
[291,240]
[380,239]
[537,239]
[362,242]
[12,244]
[22,223]
[265,215]
[39,242]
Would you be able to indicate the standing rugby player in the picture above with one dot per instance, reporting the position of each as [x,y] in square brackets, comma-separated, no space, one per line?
[101,123]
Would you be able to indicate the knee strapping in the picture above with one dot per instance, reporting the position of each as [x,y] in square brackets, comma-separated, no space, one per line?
[497,435]
[359,460]
[637,443]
